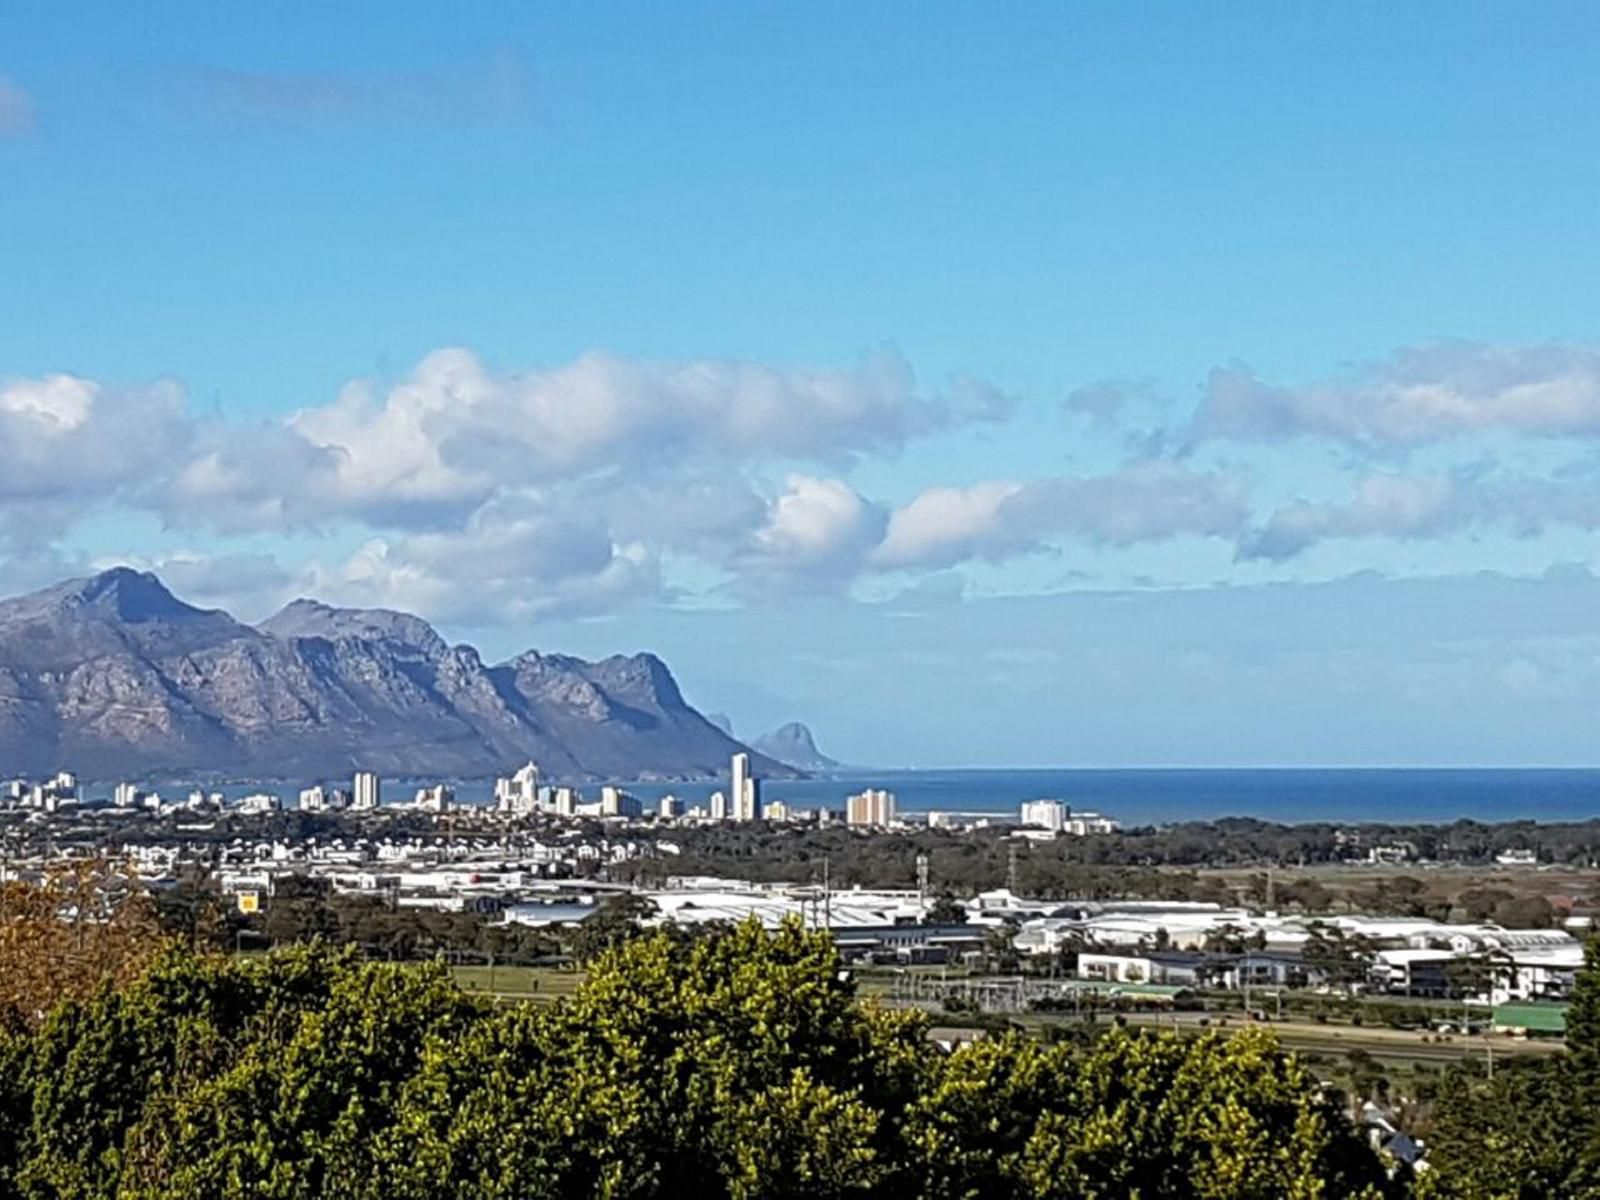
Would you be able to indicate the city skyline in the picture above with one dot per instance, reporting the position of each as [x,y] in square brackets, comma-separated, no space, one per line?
[1070,390]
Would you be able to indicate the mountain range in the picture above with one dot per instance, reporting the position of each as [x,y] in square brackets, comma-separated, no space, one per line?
[114,676]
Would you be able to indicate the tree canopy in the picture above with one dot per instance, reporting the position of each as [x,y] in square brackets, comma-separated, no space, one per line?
[738,1063]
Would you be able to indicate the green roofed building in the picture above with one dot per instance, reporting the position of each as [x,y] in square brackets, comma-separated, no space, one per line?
[1548,1020]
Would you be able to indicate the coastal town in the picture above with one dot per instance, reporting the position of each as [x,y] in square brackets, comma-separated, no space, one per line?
[546,856]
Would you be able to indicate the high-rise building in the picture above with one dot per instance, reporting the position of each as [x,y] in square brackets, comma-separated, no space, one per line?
[744,791]
[566,802]
[719,807]
[873,807]
[313,799]
[1045,814]
[614,802]
[519,793]
[668,807]
[367,791]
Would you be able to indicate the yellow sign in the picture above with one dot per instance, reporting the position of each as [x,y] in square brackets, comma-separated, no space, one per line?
[249,902]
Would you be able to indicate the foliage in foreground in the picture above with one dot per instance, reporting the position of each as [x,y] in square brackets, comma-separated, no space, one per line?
[737,1064]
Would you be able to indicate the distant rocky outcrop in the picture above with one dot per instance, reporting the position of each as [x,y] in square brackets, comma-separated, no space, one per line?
[793,745]
[114,676]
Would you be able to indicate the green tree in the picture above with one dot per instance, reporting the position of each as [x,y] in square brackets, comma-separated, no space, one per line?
[616,921]
[947,910]
[1139,1114]
[1505,1138]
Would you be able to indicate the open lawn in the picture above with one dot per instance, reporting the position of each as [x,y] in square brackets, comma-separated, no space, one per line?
[539,984]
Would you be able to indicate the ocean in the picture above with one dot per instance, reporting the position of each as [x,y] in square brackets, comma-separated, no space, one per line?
[1164,796]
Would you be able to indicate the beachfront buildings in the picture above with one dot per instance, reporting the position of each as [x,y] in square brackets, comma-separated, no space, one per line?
[1058,818]
[1045,814]
[441,797]
[520,792]
[872,808]
[367,791]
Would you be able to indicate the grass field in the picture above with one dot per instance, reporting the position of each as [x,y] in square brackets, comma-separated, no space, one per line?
[1391,1047]
[1387,1045]
[539,984]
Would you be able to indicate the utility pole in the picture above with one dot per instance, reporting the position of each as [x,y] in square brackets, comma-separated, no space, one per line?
[827,896]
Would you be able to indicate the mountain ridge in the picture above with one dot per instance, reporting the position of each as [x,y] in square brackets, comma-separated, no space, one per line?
[112,675]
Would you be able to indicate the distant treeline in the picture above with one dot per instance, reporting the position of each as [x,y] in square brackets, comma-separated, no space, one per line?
[1229,842]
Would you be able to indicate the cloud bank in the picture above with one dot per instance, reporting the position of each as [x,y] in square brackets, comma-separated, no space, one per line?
[483,495]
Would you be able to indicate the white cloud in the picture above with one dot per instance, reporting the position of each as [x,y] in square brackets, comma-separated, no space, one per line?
[513,561]
[1421,394]
[818,529]
[67,445]
[1141,502]
[583,487]
[455,434]
[946,525]
[1383,505]
[1427,507]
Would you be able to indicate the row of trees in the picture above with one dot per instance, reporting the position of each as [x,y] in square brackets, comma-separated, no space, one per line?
[731,1063]
[981,858]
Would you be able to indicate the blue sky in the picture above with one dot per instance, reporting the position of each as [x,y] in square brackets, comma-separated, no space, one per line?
[857,357]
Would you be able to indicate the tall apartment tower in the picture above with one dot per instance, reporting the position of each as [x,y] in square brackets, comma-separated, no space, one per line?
[742,791]
[367,792]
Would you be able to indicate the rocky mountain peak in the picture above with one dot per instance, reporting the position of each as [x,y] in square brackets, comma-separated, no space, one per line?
[305,618]
[794,746]
[120,594]
[638,675]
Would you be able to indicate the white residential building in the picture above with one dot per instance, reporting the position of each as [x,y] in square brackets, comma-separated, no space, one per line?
[520,793]
[438,798]
[1045,814]
[1084,824]
[367,791]
[871,808]
[614,802]
[566,802]
[313,799]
